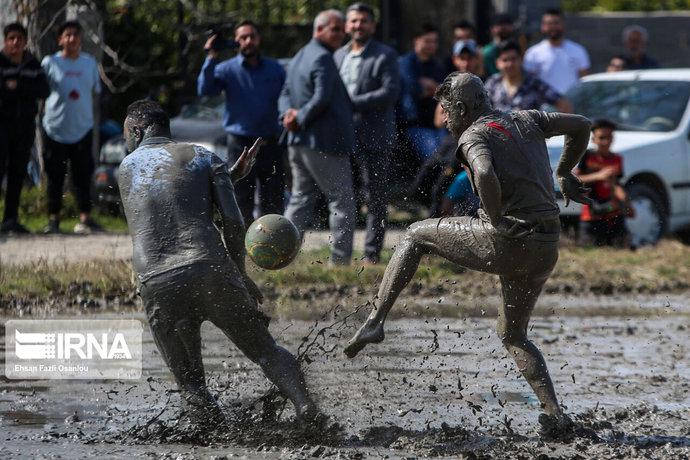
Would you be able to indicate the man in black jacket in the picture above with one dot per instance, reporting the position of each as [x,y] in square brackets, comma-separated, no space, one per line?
[22,84]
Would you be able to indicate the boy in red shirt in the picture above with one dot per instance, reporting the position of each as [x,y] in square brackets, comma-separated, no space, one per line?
[603,222]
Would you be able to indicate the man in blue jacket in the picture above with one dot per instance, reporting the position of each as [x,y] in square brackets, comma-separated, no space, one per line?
[316,111]
[369,70]
[249,80]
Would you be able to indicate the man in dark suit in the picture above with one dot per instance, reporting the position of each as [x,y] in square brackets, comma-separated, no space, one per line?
[369,70]
[317,113]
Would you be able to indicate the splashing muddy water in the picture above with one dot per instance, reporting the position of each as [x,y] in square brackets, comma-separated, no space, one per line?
[435,387]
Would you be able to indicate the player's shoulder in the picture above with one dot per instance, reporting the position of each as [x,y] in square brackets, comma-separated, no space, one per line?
[477,132]
[206,157]
[202,151]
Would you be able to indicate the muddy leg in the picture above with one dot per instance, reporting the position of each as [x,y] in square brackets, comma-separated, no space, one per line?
[399,272]
[248,330]
[180,345]
[519,297]
[462,240]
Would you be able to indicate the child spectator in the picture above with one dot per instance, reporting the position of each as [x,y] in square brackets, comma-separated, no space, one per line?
[616,64]
[603,222]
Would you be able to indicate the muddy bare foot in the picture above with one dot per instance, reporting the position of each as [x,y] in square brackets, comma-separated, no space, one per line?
[370,332]
[311,418]
[562,428]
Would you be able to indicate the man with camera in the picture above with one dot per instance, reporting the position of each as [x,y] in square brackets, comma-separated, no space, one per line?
[251,83]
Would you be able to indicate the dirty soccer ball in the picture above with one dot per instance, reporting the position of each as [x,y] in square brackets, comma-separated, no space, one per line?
[272,241]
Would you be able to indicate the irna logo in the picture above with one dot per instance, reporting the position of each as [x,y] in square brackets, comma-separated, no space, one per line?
[70,345]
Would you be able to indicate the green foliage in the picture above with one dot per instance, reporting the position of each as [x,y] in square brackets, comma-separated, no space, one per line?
[575,6]
[163,41]
[33,212]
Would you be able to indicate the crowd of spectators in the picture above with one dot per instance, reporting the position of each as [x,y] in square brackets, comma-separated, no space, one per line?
[339,112]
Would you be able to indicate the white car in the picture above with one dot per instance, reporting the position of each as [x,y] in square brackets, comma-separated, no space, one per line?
[201,123]
[651,111]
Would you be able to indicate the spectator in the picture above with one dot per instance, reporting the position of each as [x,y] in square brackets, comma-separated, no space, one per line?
[252,84]
[68,123]
[514,89]
[466,57]
[502,29]
[317,112]
[603,222]
[441,183]
[635,40]
[22,84]
[370,72]
[420,74]
[462,30]
[616,64]
[557,61]
[459,199]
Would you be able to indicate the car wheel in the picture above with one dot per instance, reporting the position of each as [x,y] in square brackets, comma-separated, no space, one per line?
[684,236]
[650,220]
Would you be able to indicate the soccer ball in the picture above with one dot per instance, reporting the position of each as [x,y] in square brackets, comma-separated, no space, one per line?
[272,241]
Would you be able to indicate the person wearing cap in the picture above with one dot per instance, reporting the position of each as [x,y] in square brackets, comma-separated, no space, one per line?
[466,57]
[501,30]
[462,30]
[514,89]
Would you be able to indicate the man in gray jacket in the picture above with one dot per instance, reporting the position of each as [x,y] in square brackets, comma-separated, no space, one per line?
[369,70]
[317,113]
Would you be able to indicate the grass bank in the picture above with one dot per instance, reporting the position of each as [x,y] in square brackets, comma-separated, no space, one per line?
[33,213]
[308,285]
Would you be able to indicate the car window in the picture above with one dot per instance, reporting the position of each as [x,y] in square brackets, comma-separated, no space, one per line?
[114,151]
[633,105]
[205,109]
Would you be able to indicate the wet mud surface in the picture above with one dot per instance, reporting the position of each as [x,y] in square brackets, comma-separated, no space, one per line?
[437,387]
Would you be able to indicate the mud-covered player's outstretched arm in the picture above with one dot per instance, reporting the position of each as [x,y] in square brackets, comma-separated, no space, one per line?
[576,130]
[245,162]
[233,223]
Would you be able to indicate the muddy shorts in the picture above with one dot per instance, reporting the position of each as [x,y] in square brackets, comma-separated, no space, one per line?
[201,292]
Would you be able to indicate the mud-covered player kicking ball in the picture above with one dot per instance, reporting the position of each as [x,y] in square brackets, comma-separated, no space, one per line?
[516,233]
[187,273]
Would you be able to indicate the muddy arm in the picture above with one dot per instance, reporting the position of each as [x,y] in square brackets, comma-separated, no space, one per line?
[488,187]
[576,129]
[233,223]
[478,157]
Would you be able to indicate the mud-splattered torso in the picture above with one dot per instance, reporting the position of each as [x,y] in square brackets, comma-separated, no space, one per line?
[516,144]
[168,195]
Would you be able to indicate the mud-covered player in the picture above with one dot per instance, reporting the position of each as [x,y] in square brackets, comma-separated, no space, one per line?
[187,273]
[516,233]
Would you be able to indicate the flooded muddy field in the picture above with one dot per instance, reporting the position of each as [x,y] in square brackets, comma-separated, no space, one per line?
[437,387]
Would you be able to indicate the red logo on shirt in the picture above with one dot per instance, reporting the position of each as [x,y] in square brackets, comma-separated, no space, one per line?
[74,94]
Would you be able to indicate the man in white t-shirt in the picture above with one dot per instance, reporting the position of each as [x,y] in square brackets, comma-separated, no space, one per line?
[68,123]
[556,60]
